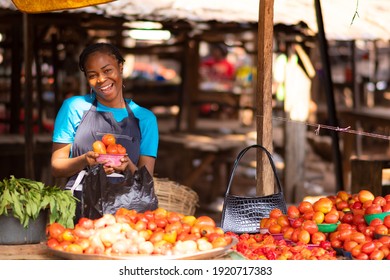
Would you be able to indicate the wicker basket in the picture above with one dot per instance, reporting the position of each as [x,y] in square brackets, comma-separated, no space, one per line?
[175,197]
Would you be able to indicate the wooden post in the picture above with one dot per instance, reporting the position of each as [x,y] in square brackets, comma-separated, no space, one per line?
[28,100]
[265,176]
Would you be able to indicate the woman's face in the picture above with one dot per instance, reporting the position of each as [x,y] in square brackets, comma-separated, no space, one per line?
[104,75]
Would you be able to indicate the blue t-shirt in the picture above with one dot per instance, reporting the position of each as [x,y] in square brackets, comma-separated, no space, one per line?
[71,112]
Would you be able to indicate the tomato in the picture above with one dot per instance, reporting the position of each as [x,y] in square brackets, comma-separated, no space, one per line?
[358,237]
[112,149]
[283,221]
[331,218]
[386,221]
[310,226]
[204,220]
[343,195]
[347,218]
[297,222]
[207,230]
[308,215]
[219,242]
[55,230]
[121,149]
[342,205]
[160,213]
[189,219]
[152,225]
[304,236]
[293,212]
[161,222]
[176,226]
[173,217]
[379,200]
[386,207]
[108,139]
[156,236]
[323,205]
[356,250]
[85,223]
[373,209]
[349,245]
[385,240]
[74,248]
[365,195]
[275,228]
[318,237]
[140,225]
[381,229]
[362,256]
[377,255]
[170,236]
[99,147]
[275,213]
[305,206]
[318,217]
[52,243]
[368,247]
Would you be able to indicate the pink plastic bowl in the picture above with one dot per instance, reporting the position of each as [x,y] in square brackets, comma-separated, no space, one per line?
[110,159]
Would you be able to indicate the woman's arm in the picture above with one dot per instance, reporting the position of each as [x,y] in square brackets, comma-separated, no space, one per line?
[64,166]
[149,162]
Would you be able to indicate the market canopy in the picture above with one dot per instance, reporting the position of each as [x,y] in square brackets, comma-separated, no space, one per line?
[343,19]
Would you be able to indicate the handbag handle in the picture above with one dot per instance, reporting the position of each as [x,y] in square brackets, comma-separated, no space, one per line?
[241,154]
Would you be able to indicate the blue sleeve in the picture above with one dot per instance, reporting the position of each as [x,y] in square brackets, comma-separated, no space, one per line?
[68,119]
[149,130]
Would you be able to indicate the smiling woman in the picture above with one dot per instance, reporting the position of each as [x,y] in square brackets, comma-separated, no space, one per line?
[102,115]
[41,6]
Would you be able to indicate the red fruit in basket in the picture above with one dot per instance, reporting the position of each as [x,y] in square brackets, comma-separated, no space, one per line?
[108,139]
[121,149]
[112,149]
[331,218]
[365,195]
[99,147]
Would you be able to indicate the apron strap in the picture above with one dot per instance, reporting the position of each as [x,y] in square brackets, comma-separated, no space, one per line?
[77,182]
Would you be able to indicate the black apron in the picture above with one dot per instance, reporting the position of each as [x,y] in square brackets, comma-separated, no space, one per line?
[93,126]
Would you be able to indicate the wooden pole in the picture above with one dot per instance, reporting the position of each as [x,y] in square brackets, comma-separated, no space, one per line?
[28,101]
[328,84]
[265,176]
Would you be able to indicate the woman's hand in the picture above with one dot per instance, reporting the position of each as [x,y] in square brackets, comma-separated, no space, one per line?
[125,163]
[91,157]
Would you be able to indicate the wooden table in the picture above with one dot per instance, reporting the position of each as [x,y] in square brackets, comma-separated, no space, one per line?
[40,252]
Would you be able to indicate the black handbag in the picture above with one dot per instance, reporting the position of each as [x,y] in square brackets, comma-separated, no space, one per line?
[241,214]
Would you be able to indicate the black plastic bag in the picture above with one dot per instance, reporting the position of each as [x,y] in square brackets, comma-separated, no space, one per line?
[103,195]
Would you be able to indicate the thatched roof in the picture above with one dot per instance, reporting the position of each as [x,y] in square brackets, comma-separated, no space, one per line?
[341,21]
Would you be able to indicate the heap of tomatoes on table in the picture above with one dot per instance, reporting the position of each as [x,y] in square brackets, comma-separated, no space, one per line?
[295,235]
[157,232]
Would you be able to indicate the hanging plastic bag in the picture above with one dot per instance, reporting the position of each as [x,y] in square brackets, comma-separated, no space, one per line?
[104,195]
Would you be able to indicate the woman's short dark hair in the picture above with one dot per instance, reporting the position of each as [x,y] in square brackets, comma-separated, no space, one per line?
[99,47]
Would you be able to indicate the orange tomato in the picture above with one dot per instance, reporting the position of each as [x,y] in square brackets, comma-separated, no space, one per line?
[275,213]
[55,230]
[121,149]
[99,147]
[108,139]
[305,206]
[365,195]
[204,221]
[112,149]
[293,212]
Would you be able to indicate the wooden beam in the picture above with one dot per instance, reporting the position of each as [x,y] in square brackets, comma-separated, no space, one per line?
[265,176]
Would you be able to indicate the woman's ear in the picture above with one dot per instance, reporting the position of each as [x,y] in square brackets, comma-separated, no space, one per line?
[121,68]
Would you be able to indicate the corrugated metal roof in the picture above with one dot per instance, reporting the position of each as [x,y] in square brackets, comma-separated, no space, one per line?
[372,22]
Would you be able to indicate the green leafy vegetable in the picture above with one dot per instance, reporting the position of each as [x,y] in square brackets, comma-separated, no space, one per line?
[25,199]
